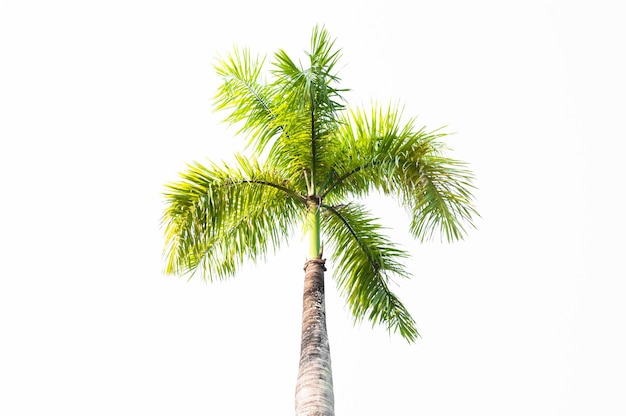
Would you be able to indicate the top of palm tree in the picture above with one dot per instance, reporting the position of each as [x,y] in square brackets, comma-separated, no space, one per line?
[309,151]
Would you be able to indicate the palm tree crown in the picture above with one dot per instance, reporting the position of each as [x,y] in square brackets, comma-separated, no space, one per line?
[311,159]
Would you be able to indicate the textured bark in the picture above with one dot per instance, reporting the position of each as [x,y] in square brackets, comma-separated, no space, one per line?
[314,388]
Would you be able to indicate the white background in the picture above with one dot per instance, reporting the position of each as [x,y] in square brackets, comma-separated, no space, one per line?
[102,102]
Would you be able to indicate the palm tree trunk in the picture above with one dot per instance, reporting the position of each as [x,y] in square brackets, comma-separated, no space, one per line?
[314,388]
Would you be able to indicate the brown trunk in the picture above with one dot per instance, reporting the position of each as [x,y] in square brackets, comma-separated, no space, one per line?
[314,388]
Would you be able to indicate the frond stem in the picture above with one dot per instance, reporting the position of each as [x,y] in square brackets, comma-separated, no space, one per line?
[286,190]
[313,150]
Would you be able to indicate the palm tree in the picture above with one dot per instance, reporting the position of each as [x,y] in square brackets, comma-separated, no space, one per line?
[309,156]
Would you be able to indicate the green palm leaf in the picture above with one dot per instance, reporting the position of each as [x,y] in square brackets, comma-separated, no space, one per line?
[379,152]
[248,100]
[309,107]
[365,261]
[217,217]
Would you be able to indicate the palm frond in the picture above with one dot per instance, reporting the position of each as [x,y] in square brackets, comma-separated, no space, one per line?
[323,77]
[217,217]
[443,202]
[364,262]
[247,97]
[310,104]
[379,152]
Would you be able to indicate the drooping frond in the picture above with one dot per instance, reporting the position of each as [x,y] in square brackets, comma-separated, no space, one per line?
[378,152]
[443,202]
[364,262]
[217,217]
